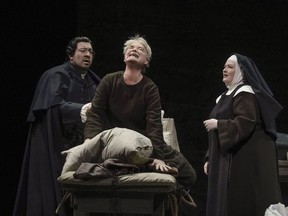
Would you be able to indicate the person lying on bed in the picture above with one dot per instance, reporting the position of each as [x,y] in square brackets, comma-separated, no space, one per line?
[129,99]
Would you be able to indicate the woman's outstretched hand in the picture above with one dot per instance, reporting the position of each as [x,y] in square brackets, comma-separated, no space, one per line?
[160,166]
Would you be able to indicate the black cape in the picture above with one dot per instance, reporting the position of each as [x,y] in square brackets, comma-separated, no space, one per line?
[55,126]
[269,107]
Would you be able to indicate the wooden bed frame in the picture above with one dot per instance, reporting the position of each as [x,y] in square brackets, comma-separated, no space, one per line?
[141,198]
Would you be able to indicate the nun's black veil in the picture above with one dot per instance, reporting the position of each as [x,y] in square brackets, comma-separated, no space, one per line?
[269,107]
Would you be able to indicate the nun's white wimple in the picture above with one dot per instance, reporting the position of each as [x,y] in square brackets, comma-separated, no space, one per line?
[238,78]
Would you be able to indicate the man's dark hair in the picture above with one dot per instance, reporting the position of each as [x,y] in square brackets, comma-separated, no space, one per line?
[71,47]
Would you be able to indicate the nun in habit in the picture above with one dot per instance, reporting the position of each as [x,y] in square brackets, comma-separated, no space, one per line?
[241,162]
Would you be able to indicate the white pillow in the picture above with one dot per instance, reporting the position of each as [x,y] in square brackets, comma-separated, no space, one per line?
[169,133]
[121,143]
[127,145]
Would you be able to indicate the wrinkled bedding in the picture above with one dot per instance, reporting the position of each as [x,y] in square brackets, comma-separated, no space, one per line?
[126,145]
[136,179]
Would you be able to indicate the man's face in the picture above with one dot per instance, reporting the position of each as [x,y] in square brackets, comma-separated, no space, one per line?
[83,56]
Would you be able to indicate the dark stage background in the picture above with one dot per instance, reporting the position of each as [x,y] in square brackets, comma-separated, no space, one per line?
[190,40]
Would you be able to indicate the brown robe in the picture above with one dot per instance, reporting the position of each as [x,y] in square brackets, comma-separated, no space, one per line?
[136,107]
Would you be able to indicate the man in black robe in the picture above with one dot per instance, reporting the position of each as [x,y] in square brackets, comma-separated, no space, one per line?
[63,92]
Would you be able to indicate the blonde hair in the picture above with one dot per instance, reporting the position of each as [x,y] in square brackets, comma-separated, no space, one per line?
[141,40]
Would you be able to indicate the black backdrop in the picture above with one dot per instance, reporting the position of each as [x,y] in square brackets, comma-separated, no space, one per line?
[190,40]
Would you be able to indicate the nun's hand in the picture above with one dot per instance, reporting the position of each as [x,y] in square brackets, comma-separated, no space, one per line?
[210,124]
[206,166]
